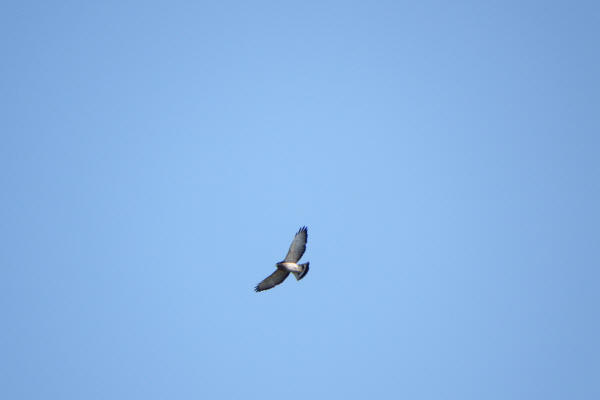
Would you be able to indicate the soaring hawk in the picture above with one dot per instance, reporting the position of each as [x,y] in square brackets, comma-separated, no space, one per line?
[288,265]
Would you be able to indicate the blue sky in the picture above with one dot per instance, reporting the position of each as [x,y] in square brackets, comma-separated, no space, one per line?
[158,157]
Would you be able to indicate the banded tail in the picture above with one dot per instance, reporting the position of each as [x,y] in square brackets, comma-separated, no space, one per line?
[301,274]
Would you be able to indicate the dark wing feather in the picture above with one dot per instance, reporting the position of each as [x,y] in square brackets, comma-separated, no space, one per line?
[298,246]
[272,280]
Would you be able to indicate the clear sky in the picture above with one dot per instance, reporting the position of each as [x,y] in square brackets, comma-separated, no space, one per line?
[156,159]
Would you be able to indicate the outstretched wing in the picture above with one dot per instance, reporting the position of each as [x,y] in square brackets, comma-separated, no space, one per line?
[298,246]
[272,280]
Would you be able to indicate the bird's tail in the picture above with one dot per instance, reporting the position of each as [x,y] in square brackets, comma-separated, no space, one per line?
[301,274]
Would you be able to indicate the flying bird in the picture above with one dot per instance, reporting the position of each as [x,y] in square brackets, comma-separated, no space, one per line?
[288,265]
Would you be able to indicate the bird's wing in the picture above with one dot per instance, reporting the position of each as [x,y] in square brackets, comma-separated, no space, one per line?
[272,280]
[298,246]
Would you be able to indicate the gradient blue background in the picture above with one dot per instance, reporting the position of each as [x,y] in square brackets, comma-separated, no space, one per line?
[156,159]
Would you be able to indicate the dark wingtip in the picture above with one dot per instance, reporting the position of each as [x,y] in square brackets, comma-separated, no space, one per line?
[256,289]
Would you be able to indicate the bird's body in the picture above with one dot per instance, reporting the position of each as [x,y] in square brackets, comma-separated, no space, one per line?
[289,264]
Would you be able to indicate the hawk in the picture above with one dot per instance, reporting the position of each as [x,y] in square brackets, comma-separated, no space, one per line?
[288,265]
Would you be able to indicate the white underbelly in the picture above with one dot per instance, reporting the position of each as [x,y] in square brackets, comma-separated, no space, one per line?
[290,266]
